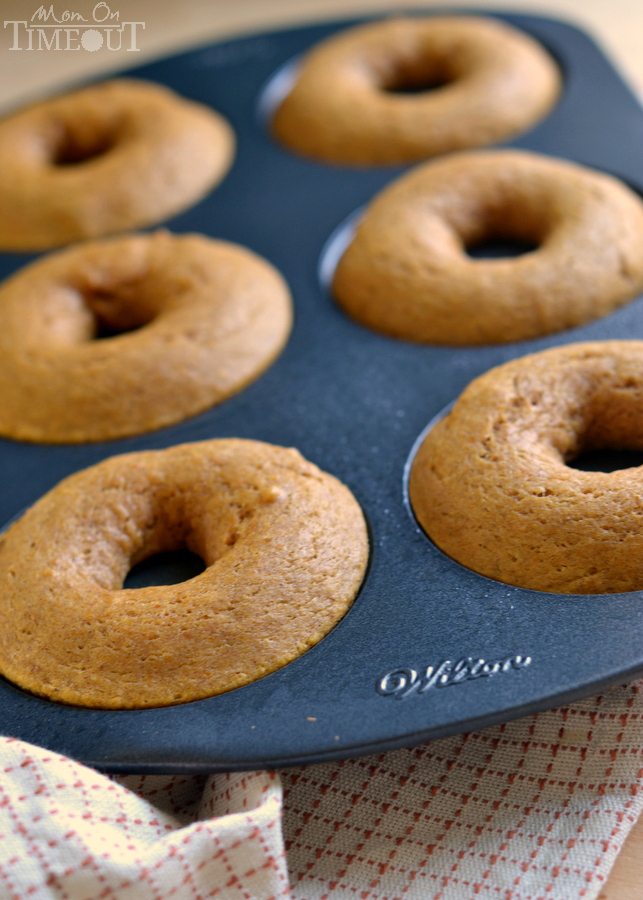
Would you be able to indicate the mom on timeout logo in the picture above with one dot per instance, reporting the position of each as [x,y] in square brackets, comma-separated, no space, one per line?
[72,31]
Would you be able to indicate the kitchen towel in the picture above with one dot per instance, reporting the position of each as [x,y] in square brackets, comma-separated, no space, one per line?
[535,809]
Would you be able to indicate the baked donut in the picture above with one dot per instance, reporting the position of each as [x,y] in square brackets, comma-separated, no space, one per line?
[107,158]
[358,96]
[491,484]
[285,547]
[407,274]
[192,321]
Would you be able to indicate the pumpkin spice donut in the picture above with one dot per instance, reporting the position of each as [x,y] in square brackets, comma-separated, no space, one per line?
[491,484]
[126,335]
[107,158]
[285,547]
[358,96]
[407,273]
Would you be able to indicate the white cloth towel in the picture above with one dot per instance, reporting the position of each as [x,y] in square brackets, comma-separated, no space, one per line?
[536,809]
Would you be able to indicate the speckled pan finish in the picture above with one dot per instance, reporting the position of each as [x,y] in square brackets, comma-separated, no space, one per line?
[429,648]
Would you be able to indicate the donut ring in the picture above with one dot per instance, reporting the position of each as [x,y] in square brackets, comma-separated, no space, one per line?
[495,82]
[201,319]
[490,485]
[407,273]
[285,547]
[107,158]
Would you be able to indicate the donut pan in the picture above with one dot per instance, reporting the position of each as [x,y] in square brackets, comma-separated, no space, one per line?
[429,648]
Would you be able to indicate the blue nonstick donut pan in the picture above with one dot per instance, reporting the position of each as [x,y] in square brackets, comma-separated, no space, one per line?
[429,648]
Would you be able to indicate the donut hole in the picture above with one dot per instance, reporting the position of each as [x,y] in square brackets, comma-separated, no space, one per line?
[417,81]
[116,312]
[170,567]
[500,227]
[609,436]
[77,311]
[174,538]
[76,144]
[418,70]
[501,248]
[606,459]
[104,331]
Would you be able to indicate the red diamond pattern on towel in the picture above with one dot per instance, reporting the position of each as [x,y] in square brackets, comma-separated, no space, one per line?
[69,833]
[533,810]
[536,809]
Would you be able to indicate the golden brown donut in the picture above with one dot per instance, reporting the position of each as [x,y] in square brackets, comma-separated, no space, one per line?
[200,319]
[407,274]
[492,83]
[107,158]
[492,487]
[285,547]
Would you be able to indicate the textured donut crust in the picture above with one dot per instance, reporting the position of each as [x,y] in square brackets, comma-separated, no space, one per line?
[490,486]
[213,317]
[164,154]
[407,273]
[500,83]
[285,546]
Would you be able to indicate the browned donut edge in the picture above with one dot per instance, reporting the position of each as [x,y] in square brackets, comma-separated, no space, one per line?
[490,485]
[285,546]
[406,272]
[214,317]
[155,154]
[499,80]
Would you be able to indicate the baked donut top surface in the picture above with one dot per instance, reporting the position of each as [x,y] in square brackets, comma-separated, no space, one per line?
[405,89]
[285,549]
[106,158]
[130,334]
[407,271]
[493,484]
